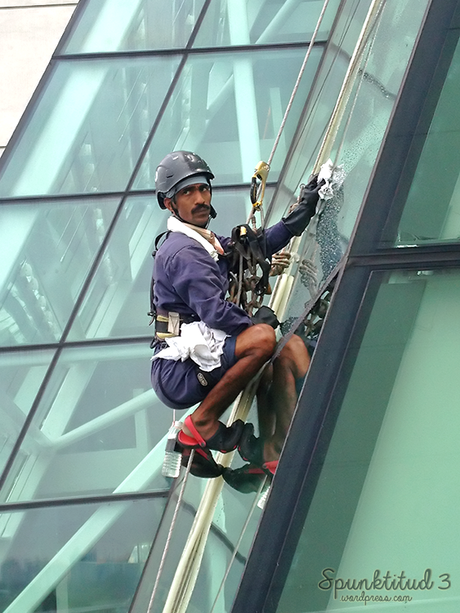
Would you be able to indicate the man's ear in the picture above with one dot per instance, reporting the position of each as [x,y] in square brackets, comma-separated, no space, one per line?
[167,202]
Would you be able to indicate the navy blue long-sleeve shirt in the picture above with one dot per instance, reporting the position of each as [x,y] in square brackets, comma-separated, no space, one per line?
[190,282]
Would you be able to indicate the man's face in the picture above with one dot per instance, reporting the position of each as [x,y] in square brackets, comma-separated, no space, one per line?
[193,203]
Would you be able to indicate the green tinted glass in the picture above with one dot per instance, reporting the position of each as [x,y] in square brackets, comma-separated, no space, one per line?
[432,209]
[103,111]
[116,303]
[235,520]
[366,104]
[387,498]
[243,22]
[97,421]
[78,557]
[115,25]
[21,375]
[46,253]
[228,108]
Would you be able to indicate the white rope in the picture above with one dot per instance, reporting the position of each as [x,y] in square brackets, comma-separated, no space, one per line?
[297,83]
[237,544]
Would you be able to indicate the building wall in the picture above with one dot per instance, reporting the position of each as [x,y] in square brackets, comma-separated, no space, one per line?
[29,33]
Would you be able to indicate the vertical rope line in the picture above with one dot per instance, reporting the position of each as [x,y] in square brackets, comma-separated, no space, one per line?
[297,83]
[170,532]
[371,42]
[237,544]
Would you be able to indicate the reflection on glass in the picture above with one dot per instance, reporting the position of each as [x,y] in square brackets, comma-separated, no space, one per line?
[115,25]
[21,375]
[102,114]
[98,428]
[116,303]
[76,558]
[46,253]
[388,492]
[432,209]
[355,147]
[230,22]
[237,104]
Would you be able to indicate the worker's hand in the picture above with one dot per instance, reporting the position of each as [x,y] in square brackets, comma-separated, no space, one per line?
[299,218]
[265,315]
[309,193]
[280,261]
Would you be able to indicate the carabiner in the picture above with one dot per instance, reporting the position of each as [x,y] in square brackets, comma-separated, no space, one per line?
[258,181]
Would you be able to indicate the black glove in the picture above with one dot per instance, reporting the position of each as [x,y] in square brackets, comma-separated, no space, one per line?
[299,218]
[265,315]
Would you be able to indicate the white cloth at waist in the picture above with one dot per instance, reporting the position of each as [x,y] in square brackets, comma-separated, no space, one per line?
[204,345]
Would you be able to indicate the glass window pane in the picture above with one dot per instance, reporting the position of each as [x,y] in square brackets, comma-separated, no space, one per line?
[76,558]
[117,301]
[432,209]
[244,22]
[116,25]
[21,375]
[46,251]
[354,149]
[237,103]
[388,493]
[102,112]
[97,422]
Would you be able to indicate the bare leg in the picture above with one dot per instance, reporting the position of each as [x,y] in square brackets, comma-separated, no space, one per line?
[291,365]
[265,409]
[253,348]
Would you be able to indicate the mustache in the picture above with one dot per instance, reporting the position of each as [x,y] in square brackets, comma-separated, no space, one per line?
[200,207]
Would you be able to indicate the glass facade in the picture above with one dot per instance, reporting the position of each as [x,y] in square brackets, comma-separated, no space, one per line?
[87,521]
[434,217]
[376,427]
[386,498]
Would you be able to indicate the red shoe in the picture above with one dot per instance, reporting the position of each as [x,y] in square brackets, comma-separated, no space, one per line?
[224,440]
[269,468]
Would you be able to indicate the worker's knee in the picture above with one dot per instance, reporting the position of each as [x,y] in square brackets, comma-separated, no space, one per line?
[294,347]
[258,341]
[295,356]
[264,339]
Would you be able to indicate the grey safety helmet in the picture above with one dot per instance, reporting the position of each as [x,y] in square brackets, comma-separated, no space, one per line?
[176,167]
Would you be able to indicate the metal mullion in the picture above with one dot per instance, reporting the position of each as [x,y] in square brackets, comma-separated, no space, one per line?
[134,192]
[79,500]
[83,196]
[143,53]
[436,256]
[296,477]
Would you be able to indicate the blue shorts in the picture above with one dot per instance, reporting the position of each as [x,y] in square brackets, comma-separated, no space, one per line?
[177,384]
